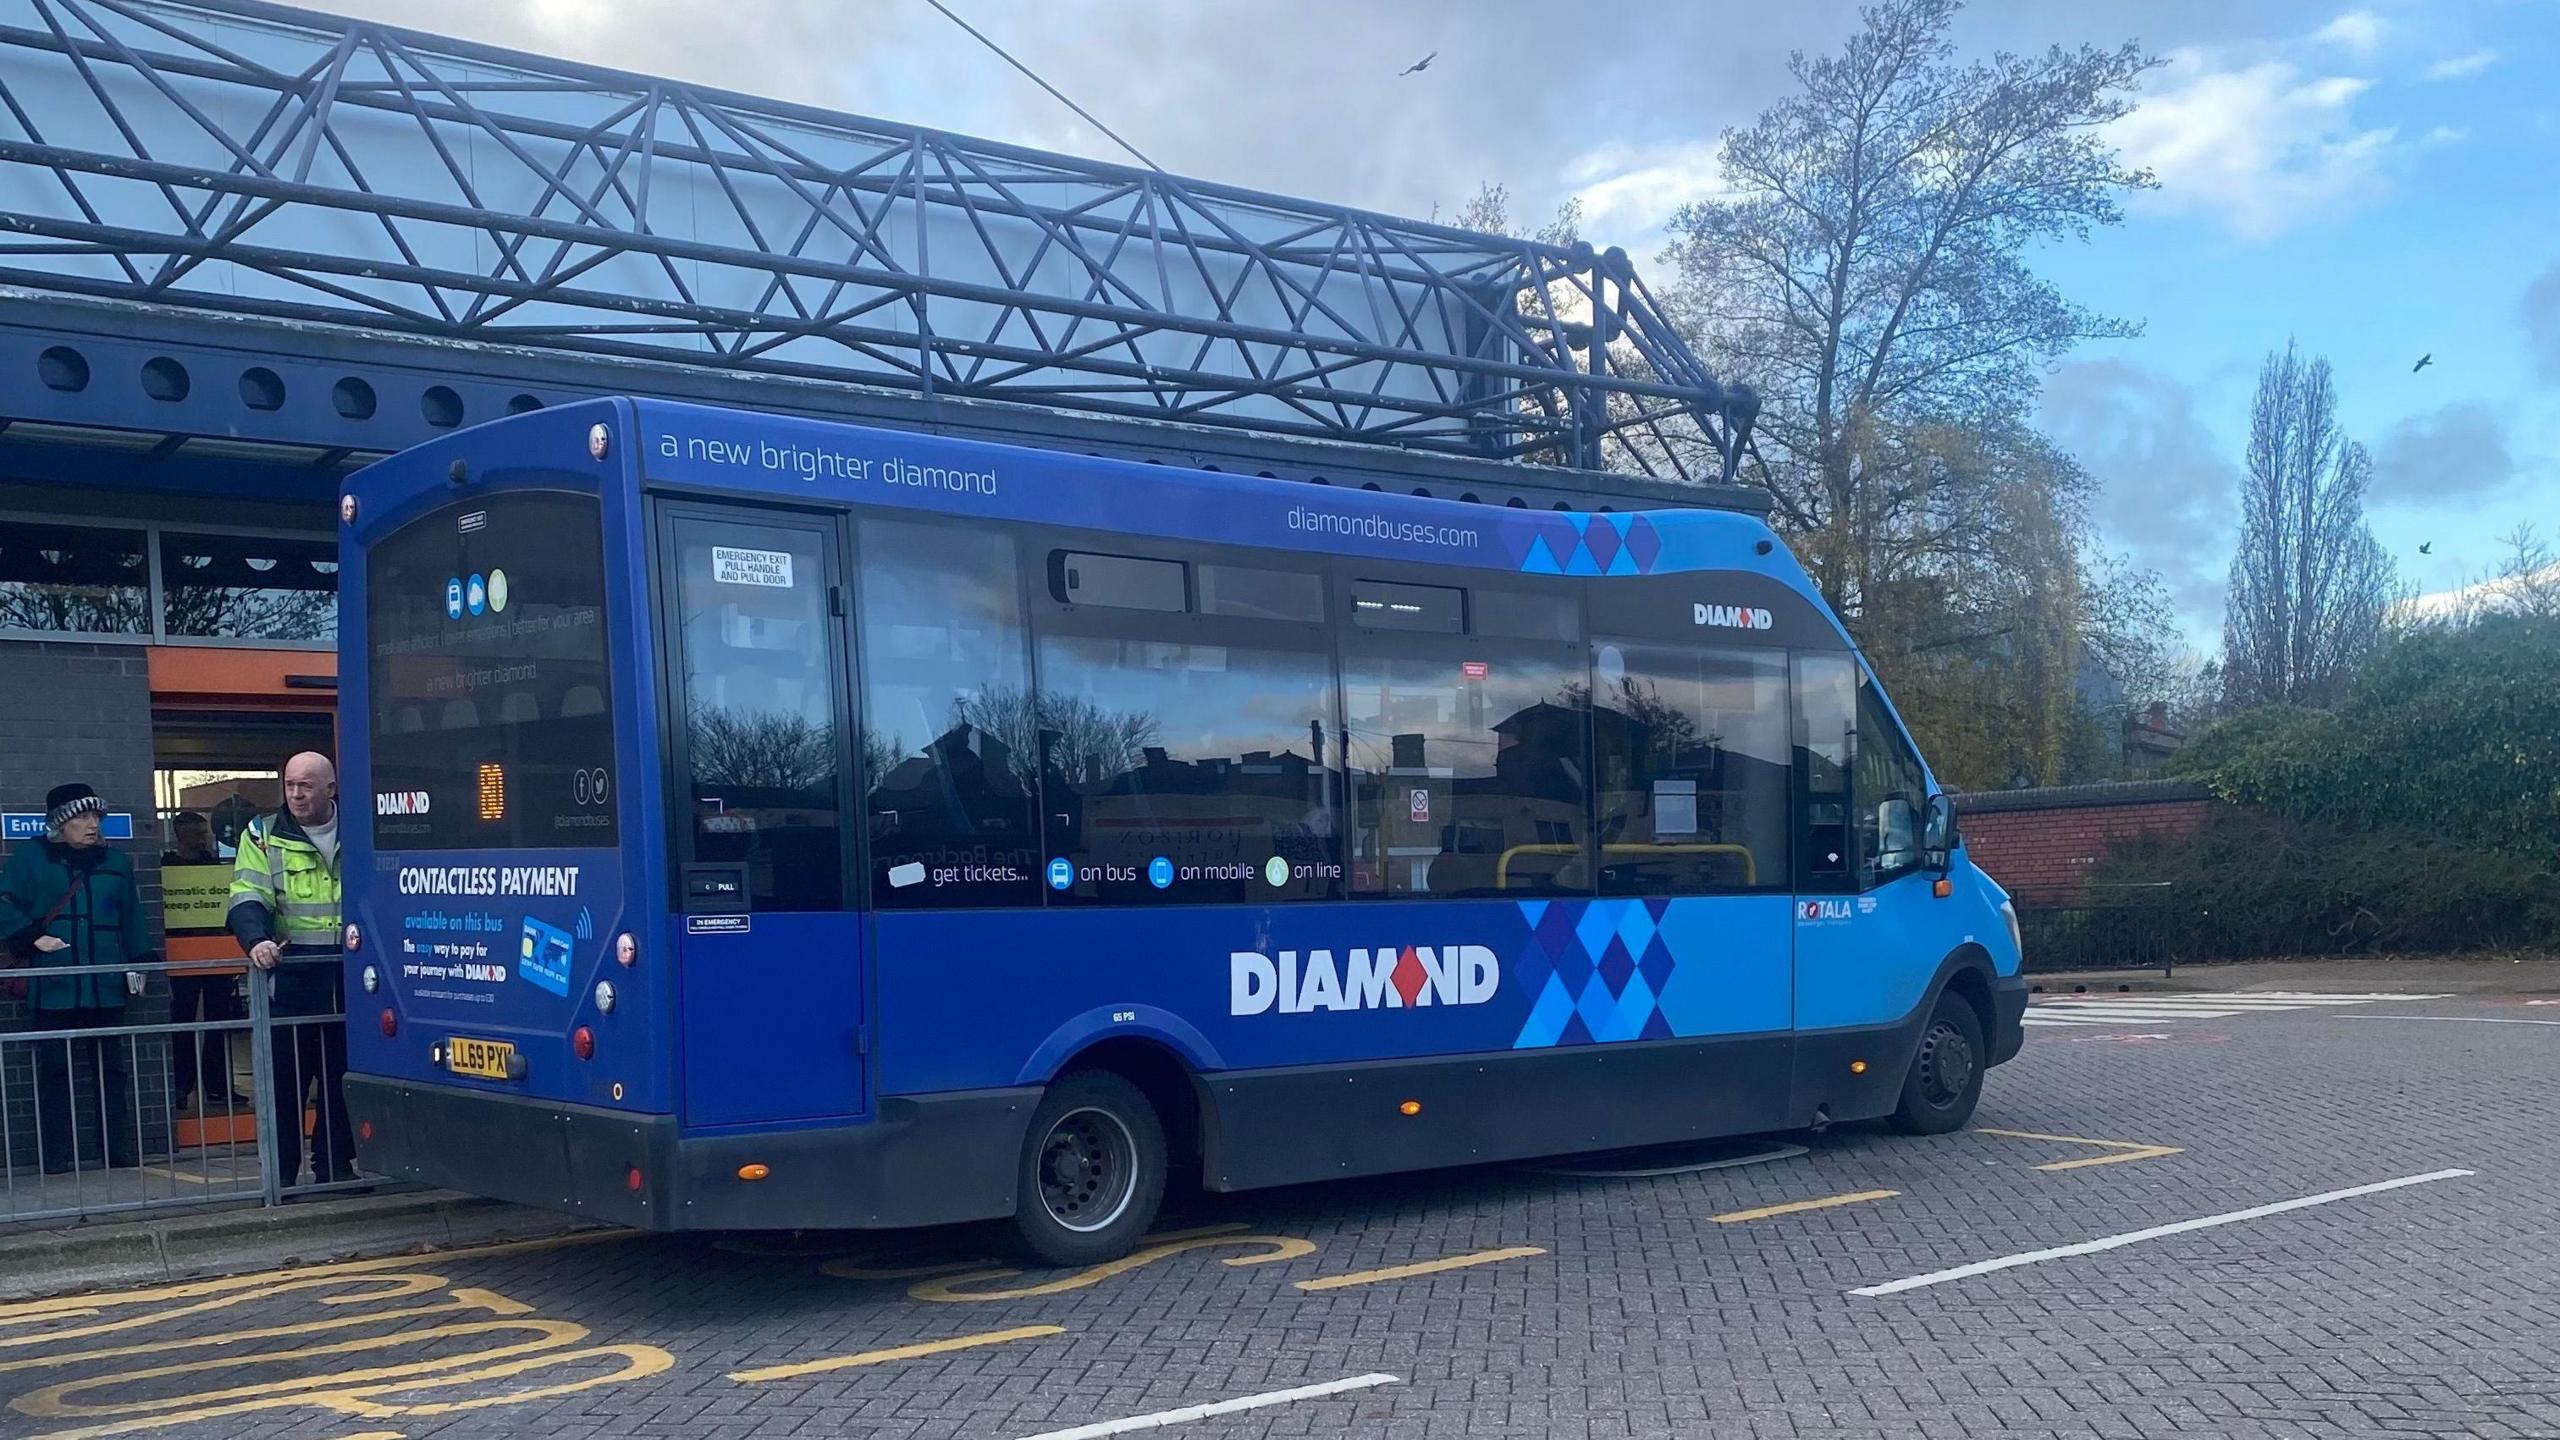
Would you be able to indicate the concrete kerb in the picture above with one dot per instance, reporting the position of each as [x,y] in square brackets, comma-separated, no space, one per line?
[42,1262]
[2525,974]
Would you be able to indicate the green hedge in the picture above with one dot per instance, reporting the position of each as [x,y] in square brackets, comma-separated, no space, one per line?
[2254,884]
[2452,733]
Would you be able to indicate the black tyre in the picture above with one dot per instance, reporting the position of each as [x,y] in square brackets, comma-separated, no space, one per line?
[1945,1081]
[1092,1174]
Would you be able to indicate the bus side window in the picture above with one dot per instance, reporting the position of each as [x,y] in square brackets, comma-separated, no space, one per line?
[1691,753]
[1826,712]
[1892,794]
[1469,754]
[947,725]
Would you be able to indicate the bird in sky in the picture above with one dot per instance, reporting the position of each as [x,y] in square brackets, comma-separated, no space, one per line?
[2428,548]
[1419,65]
[2423,362]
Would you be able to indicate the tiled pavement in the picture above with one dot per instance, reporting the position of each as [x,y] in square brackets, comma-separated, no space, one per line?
[2433,1310]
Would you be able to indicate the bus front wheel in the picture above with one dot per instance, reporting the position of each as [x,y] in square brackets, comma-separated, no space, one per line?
[1092,1175]
[1945,1081]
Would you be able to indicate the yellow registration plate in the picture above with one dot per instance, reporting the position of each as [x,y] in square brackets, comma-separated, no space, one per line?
[485,1059]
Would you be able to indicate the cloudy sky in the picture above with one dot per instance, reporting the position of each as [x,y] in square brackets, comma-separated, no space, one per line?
[2379,181]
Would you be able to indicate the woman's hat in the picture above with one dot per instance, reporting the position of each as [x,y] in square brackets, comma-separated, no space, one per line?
[64,801]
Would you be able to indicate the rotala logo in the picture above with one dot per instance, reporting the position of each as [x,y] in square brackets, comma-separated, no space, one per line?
[400,802]
[1731,617]
[1382,979]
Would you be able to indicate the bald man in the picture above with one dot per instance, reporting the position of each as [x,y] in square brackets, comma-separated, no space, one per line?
[284,912]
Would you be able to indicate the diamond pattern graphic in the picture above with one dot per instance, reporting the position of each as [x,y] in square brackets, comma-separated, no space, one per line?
[1601,538]
[1616,966]
[1644,544]
[1598,968]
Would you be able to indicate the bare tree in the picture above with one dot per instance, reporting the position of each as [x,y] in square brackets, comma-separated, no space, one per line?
[1868,272]
[2309,584]
[1087,743]
[760,749]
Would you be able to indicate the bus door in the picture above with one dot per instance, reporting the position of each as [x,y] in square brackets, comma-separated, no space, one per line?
[1865,949]
[770,940]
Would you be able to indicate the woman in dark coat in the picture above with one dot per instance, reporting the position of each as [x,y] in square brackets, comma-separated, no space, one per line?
[69,900]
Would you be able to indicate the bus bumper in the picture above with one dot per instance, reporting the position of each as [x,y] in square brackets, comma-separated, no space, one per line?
[2008,1017]
[922,1160]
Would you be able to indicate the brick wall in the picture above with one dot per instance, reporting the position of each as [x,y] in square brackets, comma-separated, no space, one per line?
[83,712]
[2041,844]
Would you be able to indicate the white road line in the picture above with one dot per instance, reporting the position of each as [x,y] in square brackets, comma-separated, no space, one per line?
[1220,1407]
[2091,1247]
[2458,1019]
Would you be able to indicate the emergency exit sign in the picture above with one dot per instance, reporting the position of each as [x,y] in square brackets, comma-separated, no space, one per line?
[29,825]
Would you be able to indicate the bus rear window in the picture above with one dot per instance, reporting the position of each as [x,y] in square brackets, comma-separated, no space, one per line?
[492,705]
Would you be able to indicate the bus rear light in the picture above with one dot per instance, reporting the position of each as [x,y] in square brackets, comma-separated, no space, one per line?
[582,1041]
[754,1172]
[604,997]
[364,1132]
[390,1024]
[1857,1067]
[372,979]
[1409,1109]
[626,949]
[347,508]
[355,939]
[631,1180]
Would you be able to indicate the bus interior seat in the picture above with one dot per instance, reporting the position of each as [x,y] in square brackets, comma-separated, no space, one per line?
[518,708]
[581,700]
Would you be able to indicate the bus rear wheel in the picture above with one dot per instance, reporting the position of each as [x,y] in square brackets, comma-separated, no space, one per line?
[1945,1081]
[1092,1175]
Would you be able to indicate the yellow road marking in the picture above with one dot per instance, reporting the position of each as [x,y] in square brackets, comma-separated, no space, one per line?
[1420,1267]
[2126,1149]
[164,1170]
[1798,1207]
[463,1299]
[898,1352]
[946,1290]
[27,1310]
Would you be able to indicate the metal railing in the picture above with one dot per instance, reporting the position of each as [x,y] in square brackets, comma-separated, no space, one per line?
[2126,927]
[91,1114]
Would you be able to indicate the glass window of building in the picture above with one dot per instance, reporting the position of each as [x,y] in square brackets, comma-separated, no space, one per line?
[1691,751]
[73,579]
[248,587]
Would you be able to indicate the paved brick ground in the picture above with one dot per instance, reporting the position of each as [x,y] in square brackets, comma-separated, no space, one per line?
[2433,1310]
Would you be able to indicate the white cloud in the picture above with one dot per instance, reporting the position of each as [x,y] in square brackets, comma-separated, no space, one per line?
[1629,192]
[2262,146]
[2461,65]
[2357,31]
[2445,135]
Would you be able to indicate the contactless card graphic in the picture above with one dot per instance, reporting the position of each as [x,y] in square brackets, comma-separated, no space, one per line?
[545,961]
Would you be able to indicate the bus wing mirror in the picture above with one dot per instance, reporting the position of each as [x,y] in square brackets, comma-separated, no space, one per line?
[1938,834]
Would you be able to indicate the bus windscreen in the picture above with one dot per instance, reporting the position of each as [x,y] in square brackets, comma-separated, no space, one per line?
[492,714]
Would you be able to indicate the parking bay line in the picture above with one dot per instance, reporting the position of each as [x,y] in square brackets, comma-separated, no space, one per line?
[2156,1232]
[1796,1207]
[1219,1407]
[2124,1149]
[1420,1267]
[2458,1019]
[896,1352]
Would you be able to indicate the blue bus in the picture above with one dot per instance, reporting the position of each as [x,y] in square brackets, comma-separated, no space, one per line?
[772,823]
